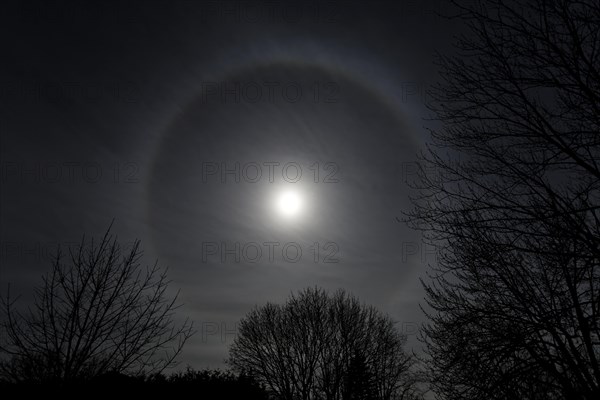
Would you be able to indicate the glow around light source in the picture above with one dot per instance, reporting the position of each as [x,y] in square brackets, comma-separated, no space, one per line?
[289,203]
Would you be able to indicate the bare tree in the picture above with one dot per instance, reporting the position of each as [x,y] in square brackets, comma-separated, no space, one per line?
[319,346]
[97,311]
[514,300]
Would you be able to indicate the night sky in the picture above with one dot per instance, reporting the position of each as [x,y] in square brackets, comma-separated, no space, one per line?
[186,121]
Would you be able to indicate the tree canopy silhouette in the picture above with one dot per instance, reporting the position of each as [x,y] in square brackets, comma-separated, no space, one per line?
[318,345]
[513,205]
[97,311]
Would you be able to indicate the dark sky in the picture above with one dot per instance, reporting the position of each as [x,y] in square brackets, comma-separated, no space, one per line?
[134,111]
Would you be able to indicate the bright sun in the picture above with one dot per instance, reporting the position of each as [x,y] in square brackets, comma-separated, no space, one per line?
[289,203]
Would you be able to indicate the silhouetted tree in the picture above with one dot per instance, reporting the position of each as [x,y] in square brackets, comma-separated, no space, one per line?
[513,205]
[320,346]
[98,311]
[359,382]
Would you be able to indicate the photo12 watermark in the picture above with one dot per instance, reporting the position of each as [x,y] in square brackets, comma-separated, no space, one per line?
[418,250]
[272,252]
[69,92]
[272,92]
[415,173]
[269,171]
[20,252]
[226,331]
[221,331]
[69,172]
[260,12]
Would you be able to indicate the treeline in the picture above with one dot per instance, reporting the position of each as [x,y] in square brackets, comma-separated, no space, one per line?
[101,322]
[214,383]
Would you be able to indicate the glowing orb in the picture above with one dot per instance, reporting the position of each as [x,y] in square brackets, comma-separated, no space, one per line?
[289,203]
